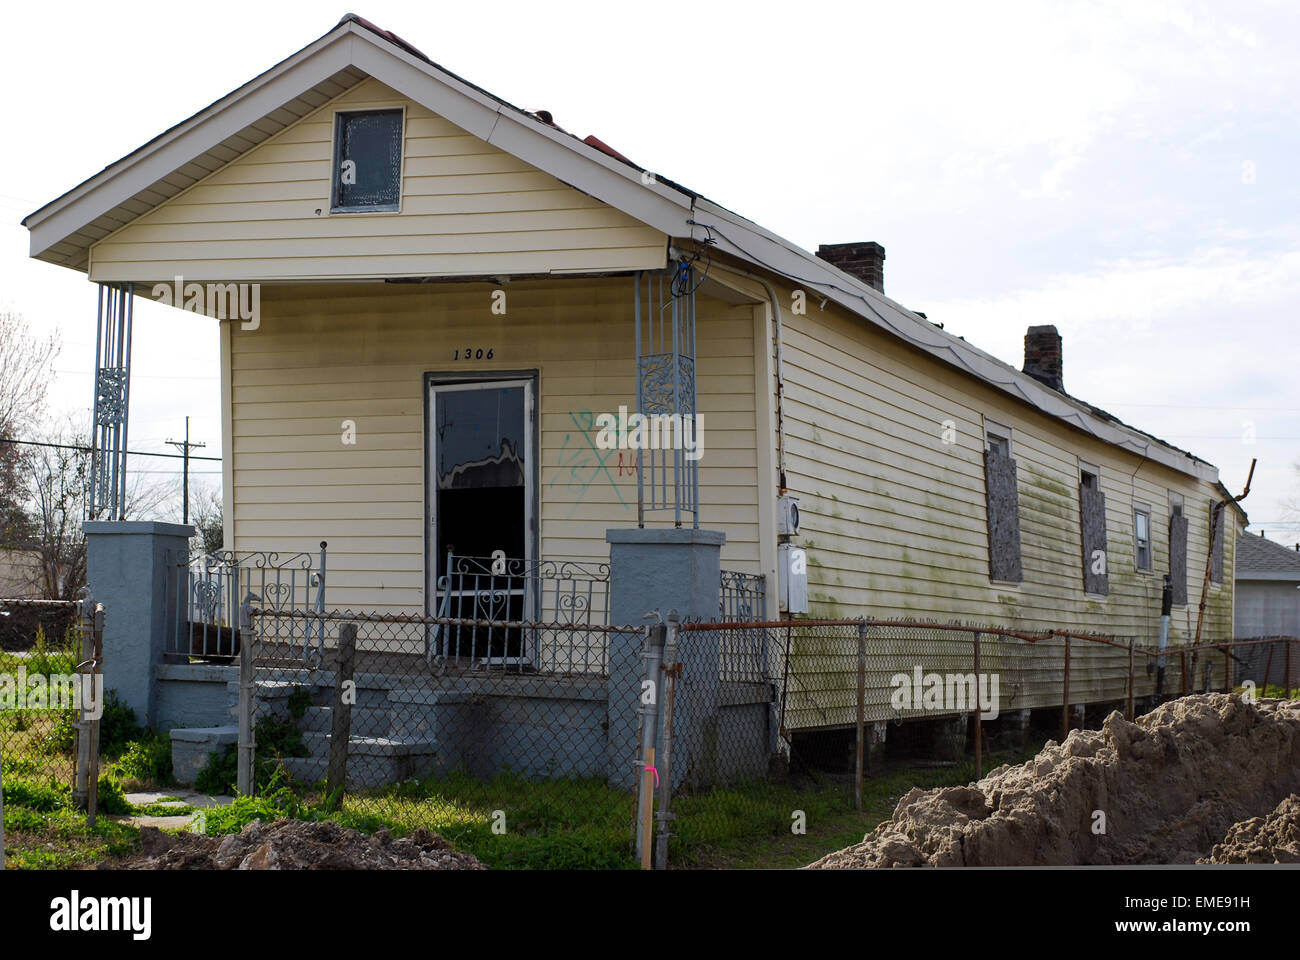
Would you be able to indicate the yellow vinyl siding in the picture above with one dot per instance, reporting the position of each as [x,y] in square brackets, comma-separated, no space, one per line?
[467,209]
[323,355]
[894,519]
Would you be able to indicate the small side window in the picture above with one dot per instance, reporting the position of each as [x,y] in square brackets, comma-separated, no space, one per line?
[367,161]
[1142,537]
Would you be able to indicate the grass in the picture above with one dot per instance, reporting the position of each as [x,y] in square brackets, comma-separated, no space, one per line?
[766,841]
[1271,692]
[46,830]
[512,823]
[509,822]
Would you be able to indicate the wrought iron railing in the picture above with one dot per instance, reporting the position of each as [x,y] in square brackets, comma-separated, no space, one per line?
[743,596]
[205,594]
[534,614]
[743,652]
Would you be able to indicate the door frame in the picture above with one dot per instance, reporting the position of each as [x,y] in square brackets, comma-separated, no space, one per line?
[528,379]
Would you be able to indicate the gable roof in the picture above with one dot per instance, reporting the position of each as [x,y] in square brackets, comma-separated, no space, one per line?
[1260,559]
[63,230]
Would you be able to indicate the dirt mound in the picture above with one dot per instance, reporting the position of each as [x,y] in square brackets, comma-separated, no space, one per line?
[1161,790]
[297,845]
[1271,839]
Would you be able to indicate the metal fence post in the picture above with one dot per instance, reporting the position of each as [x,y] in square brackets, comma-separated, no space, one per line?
[862,712]
[645,766]
[1227,668]
[2,804]
[672,672]
[1065,694]
[244,779]
[1182,656]
[1287,681]
[979,708]
[85,673]
[341,716]
[97,689]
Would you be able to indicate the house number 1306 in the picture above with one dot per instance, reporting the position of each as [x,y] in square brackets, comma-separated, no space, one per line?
[473,353]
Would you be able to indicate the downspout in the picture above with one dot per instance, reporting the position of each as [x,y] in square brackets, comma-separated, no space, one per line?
[780,366]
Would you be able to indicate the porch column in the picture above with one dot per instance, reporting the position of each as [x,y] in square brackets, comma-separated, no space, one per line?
[126,567]
[663,569]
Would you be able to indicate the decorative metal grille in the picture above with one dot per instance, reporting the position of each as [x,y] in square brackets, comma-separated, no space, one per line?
[522,614]
[208,590]
[111,404]
[667,476]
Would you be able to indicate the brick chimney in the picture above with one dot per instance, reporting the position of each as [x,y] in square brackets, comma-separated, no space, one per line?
[1043,356]
[865,260]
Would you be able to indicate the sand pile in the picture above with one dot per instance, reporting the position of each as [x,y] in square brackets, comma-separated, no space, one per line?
[297,845]
[1271,839]
[1164,789]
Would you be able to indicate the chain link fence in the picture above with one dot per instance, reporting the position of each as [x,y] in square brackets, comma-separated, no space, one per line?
[754,752]
[51,696]
[487,732]
[613,745]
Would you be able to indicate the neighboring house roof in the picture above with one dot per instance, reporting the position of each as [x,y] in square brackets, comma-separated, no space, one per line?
[1260,559]
[63,230]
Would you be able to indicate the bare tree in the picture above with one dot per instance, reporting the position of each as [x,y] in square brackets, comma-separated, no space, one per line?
[25,361]
[58,492]
[205,514]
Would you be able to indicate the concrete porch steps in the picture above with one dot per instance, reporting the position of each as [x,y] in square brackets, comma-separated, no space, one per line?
[373,761]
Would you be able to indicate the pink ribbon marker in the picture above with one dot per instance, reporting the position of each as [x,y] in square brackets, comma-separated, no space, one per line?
[655,772]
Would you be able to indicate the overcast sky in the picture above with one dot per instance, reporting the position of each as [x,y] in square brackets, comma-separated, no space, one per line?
[1126,171]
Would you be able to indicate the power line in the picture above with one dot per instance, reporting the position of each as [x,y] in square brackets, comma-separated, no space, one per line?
[134,375]
[130,453]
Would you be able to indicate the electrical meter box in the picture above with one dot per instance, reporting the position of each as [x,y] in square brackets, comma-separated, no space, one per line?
[792,578]
[787,516]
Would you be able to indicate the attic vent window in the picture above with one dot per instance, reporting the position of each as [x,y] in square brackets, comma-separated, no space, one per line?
[367,162]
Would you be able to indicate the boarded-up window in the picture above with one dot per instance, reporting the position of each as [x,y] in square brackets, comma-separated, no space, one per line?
[1216,544]
[1178,555]
[1092,521]
[1004,516]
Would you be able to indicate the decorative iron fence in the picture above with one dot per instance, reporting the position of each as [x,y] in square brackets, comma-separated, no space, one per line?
[743,596]
[520,615]
[205,593]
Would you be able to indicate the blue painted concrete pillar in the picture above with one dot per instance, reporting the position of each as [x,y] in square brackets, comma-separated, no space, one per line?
[126,567]
[662,569]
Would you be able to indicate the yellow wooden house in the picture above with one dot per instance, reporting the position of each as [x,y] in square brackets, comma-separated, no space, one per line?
[429,299]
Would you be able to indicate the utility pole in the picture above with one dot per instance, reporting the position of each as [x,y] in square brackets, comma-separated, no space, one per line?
[185,447]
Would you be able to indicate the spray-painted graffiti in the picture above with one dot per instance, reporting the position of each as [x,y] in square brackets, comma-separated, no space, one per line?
[584,464]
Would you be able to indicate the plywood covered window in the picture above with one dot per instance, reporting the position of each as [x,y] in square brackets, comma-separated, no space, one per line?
[1003,506]
[367,161]
[1178,549]
[1092,527]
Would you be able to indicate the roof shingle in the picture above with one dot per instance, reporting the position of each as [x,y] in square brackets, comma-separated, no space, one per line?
[1256,555]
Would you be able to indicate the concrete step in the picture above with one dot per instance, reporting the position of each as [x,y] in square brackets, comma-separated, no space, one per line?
[191,746]
[366,745]
[372,761]
[365,723]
